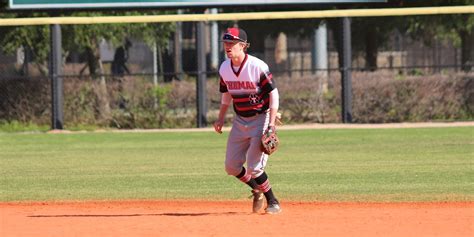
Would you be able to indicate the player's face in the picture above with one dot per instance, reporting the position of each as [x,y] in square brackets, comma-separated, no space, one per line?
[233,49]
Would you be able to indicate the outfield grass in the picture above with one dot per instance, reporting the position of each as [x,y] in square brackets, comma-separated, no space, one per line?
[410,164]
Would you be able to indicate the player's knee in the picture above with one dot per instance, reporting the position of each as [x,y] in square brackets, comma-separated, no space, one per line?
[232,169]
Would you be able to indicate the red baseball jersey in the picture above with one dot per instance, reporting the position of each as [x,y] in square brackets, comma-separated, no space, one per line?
[249,85]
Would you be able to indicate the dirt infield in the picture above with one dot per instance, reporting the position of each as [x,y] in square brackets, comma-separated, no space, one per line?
[201,218]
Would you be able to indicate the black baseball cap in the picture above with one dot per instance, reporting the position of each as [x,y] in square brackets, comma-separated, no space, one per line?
[235,34]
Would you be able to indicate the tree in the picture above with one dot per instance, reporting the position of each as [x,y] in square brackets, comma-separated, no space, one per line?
[88,38]
[32,38]
[85,38]
[456,27]
[79,37]
[369,34]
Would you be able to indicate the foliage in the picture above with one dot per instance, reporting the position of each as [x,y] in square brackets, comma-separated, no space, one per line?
[25,101]
[443,27]
[160,95]
[370,34]
[35,39]
[457,28]
[136,103]
[79,37]
[415,98]
[15,126]
[305,101]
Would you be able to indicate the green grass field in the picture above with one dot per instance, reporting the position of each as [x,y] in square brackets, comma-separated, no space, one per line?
[373,165]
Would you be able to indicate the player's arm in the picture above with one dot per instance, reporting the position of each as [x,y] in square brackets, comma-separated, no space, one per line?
[274,104]
[226,99]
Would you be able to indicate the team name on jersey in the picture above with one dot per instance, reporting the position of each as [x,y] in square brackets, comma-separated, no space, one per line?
[240,85]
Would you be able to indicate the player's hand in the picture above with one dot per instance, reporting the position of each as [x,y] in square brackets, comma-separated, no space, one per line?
[218,125]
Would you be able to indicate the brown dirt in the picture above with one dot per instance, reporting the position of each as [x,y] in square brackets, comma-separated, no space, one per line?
[233,218]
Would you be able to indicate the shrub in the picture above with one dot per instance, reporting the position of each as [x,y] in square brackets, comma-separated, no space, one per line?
[15,126]
[136,103]
[381,99]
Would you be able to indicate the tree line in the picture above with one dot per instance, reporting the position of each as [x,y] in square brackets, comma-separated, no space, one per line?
[369,33]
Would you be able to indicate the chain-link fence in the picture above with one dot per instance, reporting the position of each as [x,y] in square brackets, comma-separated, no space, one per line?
[399,76]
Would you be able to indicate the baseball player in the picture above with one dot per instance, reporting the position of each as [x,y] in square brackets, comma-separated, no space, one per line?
[246,82]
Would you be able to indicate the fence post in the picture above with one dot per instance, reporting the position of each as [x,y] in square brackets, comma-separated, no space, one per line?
[178,54]
[201,97]
[346,83]
[214,42]
[55,71]
[319,51]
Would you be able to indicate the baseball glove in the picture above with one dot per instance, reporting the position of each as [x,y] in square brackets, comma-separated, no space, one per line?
[270,141]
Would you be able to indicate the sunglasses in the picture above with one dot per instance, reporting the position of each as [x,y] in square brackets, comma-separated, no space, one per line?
[231,37]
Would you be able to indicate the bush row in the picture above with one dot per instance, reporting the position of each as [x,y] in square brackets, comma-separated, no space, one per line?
[135,102]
